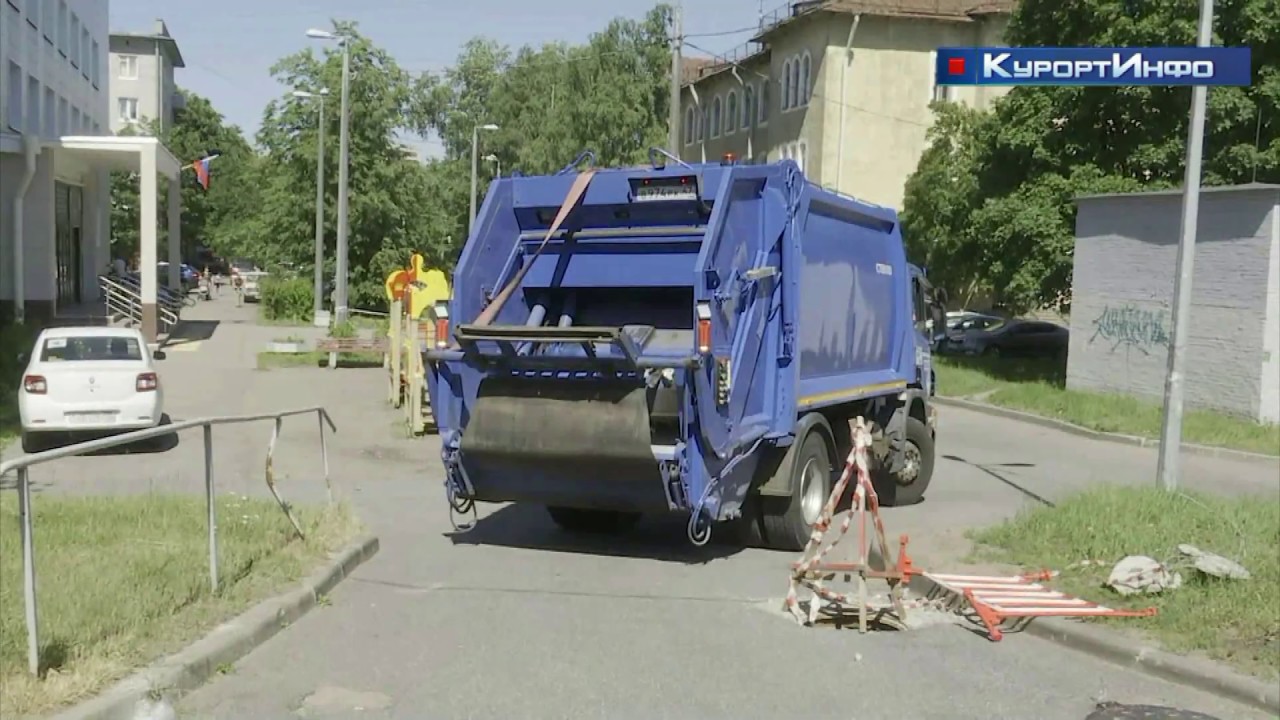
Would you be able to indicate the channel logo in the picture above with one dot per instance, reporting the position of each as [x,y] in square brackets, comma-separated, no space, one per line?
[1094,66]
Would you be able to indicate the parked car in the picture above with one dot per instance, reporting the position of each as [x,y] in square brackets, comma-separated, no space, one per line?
[88,380]
[1025,338]
[187,276]
[960,324]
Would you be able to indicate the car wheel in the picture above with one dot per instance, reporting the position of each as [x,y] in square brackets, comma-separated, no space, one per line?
[788,521]
[907,486]
[991,351]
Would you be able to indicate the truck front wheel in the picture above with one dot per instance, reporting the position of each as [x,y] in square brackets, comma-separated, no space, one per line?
[593,521]
[788,521]
[907,486]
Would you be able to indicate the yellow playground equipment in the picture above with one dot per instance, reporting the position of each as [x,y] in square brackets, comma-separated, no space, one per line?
[411,291]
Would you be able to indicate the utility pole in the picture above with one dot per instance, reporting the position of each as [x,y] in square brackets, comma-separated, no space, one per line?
[677,40]
[343,161]
[1169,467]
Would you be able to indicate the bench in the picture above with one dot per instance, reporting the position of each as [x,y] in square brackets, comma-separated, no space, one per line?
[351,344]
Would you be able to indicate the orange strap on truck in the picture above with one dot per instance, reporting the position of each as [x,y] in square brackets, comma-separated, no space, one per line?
[576,192]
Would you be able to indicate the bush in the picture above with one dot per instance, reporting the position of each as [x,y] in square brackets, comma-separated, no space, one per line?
[15,340]
[287,299]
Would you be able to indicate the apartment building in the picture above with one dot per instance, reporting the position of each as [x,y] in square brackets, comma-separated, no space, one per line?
[142,83]
[843,87]
[56,155]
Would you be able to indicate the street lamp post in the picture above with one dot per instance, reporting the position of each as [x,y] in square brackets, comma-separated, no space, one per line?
[340,294]
[497,164]
[475,144]
[318,302]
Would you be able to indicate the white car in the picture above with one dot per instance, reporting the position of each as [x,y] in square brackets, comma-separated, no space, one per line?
[88,380]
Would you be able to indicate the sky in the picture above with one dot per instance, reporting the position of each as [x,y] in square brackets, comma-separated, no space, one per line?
[229,45]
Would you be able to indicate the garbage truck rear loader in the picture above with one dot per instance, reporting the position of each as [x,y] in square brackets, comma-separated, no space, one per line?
[689,340]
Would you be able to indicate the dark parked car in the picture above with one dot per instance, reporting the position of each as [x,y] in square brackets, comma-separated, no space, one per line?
[1024,338]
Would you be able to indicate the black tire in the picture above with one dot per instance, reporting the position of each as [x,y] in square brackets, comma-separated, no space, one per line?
[33,443]
[991,351]
[908,488]
[593,521]
[784,518]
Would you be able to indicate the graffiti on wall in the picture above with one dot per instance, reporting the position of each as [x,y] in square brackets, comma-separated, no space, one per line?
[1130,326]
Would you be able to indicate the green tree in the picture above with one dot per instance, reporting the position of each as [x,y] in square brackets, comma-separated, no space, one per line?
[392,211]
[1006,222]
[197,129]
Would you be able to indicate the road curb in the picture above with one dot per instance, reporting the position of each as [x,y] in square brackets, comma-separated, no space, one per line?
[1205,675]
[1205,450]
[189,668]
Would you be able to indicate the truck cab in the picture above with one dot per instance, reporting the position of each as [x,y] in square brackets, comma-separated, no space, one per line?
[928,307]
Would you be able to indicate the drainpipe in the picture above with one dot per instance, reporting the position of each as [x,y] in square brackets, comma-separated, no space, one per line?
[30,151]
[751,127]
[844,72]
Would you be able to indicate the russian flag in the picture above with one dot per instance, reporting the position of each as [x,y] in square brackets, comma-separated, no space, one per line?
[201,167]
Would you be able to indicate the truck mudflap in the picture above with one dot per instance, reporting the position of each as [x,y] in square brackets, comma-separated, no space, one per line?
[568,431]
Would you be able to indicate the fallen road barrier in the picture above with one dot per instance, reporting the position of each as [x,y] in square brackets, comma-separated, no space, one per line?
[994,599]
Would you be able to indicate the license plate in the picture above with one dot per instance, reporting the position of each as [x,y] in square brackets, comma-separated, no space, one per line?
[91,418]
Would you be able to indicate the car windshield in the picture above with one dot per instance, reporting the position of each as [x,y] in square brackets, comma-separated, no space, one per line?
[979,323]
[90,348]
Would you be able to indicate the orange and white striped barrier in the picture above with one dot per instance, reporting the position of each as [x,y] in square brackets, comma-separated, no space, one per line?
[810,572]
[997,599]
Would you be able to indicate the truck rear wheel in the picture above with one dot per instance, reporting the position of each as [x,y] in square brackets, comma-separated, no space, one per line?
[593,521]
[907,486]
[788,521]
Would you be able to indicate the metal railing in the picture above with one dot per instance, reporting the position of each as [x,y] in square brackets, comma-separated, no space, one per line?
[22,463]
[123,298]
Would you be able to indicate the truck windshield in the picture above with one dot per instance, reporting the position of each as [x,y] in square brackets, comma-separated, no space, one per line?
[90,349]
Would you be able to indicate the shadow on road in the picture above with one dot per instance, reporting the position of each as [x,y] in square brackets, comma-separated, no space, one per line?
[189,331]
[987,469]
[529,527]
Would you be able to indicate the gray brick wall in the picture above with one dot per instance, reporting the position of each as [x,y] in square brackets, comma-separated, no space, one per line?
[1122,295]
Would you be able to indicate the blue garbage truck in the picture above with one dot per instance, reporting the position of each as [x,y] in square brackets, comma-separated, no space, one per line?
[684,339]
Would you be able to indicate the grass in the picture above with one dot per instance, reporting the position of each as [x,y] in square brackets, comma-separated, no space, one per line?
[273,360]
[123,580]
[1229,620]
[1039,387]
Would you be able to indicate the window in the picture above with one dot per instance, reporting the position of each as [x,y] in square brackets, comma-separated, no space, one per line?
[703,119]
[937,93]
[64,117]
[73,42]
[62,27]
[806,84]
[689,114]
[14,119]
[75,121]
[128,109]
[91,348]
[128,67]
[748,106]
[95,72]
[50,114]
[46,21]
[786,85]
[802,149]
[85,58]
[764,103]
[731,110]
[33,12]
[33,105]
[716,107]
[794,90]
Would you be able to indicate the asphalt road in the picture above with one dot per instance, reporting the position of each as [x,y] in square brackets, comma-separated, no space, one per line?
[517,619]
